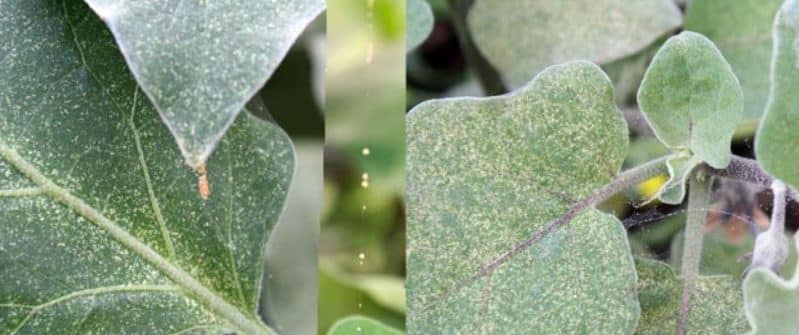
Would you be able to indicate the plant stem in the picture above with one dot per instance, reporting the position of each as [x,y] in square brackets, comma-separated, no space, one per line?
[623,181]
[698,198]
[778,212]
[743,169]
[748,170]
[486,74]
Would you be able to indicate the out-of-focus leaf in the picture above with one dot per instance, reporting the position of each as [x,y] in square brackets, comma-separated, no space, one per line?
[419,22]
[290,287]
[359,325]
[777,141]
[523,37]
[742,31]
[338,299]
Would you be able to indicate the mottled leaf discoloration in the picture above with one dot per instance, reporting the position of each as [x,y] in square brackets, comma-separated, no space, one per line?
[715,302]
[117,239]
[485,174]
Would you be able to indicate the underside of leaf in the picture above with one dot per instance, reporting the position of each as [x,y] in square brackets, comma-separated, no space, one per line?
[102,228]
[680,167]
[200,61]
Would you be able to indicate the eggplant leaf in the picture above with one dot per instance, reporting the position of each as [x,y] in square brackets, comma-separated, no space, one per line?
[200,61]
[693,102]
[522,37]
[102,228]
[484,174]
[777,143]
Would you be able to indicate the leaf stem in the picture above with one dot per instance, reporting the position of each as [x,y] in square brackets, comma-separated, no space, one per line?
[748,170]
[743,169]
[623,181]
[698,198]
[244,323]
[486,74]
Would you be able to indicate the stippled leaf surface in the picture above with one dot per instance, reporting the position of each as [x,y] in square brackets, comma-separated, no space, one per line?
[693,102]
[359,325]
[742,31]
[777,141]
[102,229]
[715,303]
[419,22]
[523,37]
[484,174]
[200,61]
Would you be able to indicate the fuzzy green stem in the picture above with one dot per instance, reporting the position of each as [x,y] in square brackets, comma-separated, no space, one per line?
[698,198]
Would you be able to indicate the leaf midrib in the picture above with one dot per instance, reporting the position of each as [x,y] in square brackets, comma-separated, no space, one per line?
[241,321]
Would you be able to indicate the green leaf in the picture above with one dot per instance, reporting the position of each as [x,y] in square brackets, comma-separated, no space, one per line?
[693,102]
[680,167]
[715,304]
[359,325]
[485,174]
[200,61]
[419,23]
[770,301]
[386,290]
[102,228]
[339,298]
[292,263]
[742,31]
[523,37]
[777,143]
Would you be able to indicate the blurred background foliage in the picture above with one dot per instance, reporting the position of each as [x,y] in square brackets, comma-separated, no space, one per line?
[439,68]
[292,98]
[362,240]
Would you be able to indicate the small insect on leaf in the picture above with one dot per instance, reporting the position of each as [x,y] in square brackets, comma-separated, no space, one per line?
[202,182]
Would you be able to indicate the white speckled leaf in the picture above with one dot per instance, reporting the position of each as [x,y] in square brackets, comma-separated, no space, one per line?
[419,22]
[777,141]
[522,37]
[102,229]
[742,31]
[359,325]
[716,306]
[199,61]
[771,302]
[693,102]
[484,174]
